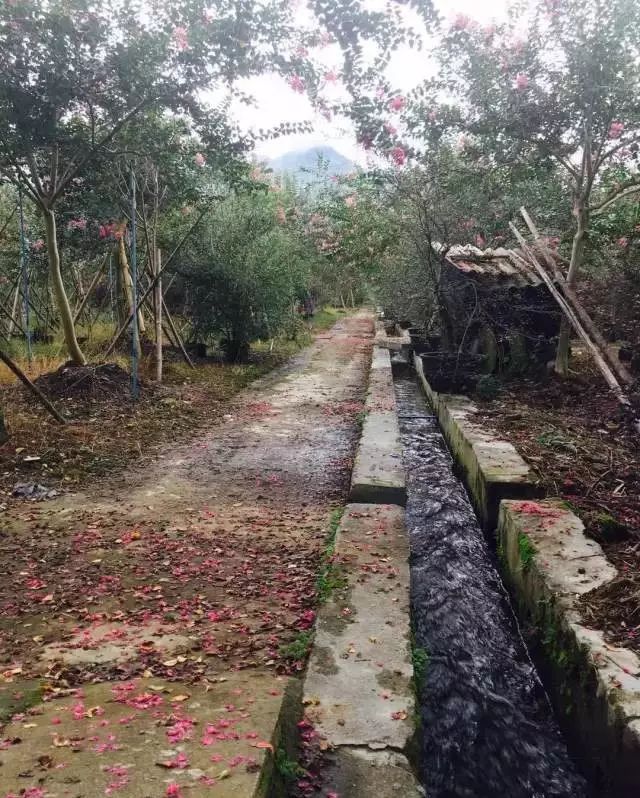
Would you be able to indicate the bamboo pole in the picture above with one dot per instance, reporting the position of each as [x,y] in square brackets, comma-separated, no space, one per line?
[607,373]
[91,289]
[572,298]
[177,335]
[14,307]
[151,285]
[157,308]
[4,357]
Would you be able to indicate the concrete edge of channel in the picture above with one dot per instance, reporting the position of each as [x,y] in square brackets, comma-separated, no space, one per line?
[358,689]
[378,473]
[492,468]
[549,564]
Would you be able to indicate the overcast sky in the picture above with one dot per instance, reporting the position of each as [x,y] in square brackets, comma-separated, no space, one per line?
[276,102]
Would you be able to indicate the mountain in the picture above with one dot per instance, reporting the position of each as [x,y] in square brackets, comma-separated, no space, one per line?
[303,164]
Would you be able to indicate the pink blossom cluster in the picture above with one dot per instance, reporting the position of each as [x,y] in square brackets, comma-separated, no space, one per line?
[616,129]
[77,224]
[398,155]
[297,84]
[180,38]
[397,103]
[109,230]
[461,22]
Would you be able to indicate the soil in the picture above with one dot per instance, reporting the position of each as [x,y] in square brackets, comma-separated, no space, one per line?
[107,430]
[583,448]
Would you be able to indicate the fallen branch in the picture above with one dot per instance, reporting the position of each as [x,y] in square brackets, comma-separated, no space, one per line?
[4,357]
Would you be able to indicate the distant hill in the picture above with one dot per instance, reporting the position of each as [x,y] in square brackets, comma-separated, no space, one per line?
[304,163]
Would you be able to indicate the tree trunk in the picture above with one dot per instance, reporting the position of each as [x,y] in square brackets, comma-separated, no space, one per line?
[62,302]
[577,254]
[127,288]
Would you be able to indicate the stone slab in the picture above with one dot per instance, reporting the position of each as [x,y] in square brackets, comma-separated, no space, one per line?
[378,472]
[138,738]
[358,689]
[355,773]
[493,469]
[549,564]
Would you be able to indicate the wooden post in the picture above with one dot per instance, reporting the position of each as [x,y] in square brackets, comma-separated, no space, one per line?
[158,303]
[4,357]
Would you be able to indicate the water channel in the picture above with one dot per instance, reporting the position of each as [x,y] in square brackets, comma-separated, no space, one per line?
[488,730]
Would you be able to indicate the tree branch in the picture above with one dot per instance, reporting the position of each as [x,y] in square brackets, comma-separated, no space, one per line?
[34,174]
[623,190]
[75,166]
[563,162]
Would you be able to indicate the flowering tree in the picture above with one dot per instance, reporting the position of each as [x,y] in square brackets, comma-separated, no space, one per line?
[560,82]
[77,73]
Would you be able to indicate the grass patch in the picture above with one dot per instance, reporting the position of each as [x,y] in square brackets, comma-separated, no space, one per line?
[287,768]
[298,649]
[330,577]
[527,552]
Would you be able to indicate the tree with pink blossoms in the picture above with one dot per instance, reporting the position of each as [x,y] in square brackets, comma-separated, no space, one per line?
[78,74]
[556,82]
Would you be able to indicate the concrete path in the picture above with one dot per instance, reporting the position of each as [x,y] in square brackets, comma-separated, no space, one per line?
[150,629]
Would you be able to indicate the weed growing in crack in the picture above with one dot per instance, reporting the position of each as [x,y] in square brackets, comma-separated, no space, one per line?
[330,576]
[527,552]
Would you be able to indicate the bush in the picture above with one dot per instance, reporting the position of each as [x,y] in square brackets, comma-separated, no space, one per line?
[247,270]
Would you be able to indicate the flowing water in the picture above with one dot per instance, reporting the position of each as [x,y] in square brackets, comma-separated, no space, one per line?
[488,728]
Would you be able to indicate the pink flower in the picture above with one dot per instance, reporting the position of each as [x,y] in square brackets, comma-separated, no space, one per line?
[325,39]
[380,92]
[397,103]
[77,224]
[199,159]
[301,51]
[350,201]
[173,791]
[615,130]
[37,245]
[297,84]
[180,38]
[331,76]
[432,116]
[365,141]
[390,129]
[522,81]
[398,155]
[623,242]
[461,22]
[209,14]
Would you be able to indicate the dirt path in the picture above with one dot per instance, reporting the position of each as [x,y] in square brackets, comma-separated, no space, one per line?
[202,565]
